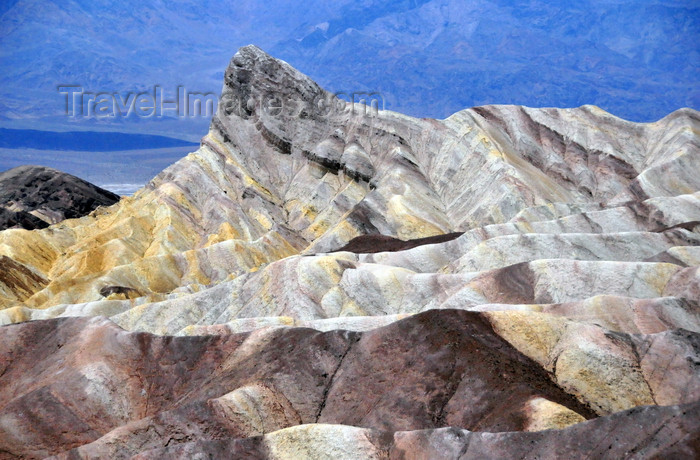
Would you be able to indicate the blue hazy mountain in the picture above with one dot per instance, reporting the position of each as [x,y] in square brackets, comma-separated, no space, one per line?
[85,141]
[638,59]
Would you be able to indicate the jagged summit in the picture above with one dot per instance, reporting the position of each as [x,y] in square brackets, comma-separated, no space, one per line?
[253,75]
[548,269]
[288,167]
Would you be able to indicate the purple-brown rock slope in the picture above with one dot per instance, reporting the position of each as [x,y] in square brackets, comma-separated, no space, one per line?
[320,280]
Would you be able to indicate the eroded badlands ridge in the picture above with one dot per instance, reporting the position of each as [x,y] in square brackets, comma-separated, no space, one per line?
[109,393]
[34,197]
[558,282]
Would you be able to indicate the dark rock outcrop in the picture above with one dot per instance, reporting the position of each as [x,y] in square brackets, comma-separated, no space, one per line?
[35,196]
[20,219]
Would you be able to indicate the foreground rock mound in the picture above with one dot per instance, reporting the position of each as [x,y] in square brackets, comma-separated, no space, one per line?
[321,280]
[648,432]
[34,197]
[111,393]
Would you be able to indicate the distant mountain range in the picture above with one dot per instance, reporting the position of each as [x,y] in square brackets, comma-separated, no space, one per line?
[119,162]
[84,140]
[636,59]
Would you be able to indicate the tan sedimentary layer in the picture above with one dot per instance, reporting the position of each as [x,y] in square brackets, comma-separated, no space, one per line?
[576,273]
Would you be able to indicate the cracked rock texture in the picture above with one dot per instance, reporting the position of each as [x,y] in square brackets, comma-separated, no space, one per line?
[320,280]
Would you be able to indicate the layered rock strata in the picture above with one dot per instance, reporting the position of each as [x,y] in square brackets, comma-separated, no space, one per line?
[319,280]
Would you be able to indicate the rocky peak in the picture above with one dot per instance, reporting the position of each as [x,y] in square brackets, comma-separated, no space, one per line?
[255,84]
[37,196]
[506,270]
[293,176]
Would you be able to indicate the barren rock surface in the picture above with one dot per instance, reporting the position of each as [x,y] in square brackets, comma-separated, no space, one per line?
[319,280]
[645,432]
[33,197]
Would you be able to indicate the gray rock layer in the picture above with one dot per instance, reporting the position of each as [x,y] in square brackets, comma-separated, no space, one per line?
[518,271]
